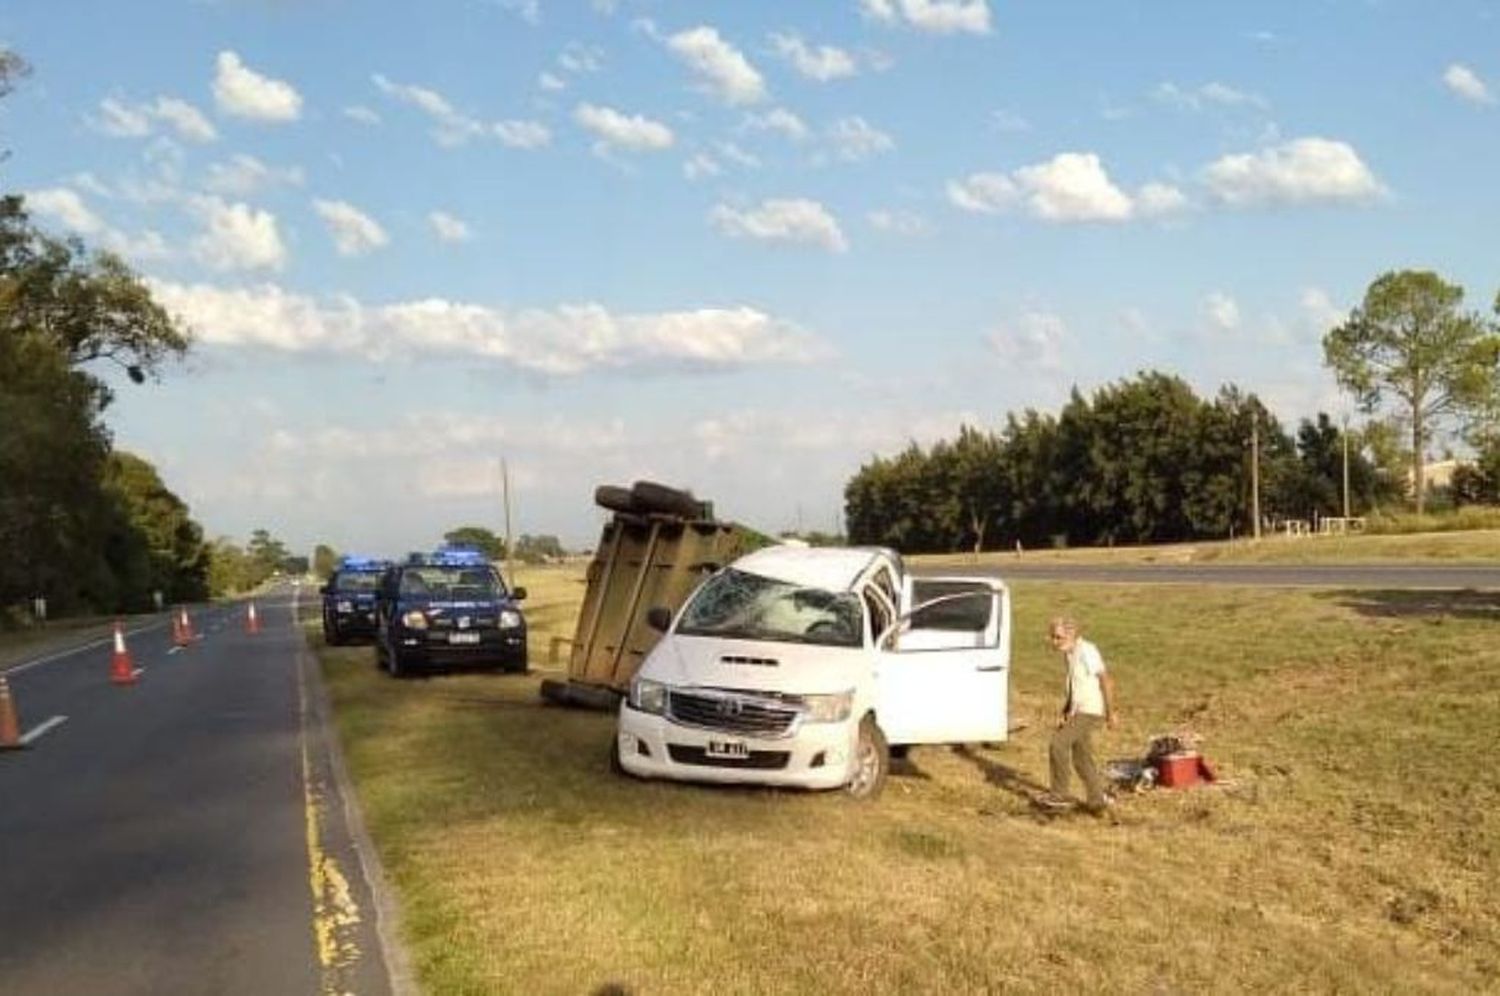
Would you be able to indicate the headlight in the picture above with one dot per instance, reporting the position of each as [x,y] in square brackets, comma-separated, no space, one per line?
[828,708]
[345,606]
[414,620]
[648,696]
[509,619]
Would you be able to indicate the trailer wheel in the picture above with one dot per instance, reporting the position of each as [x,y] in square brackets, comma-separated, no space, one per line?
[616,499]
[872,762]
[653,497]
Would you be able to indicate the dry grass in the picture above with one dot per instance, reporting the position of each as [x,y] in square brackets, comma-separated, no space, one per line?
[1359,851]
[1472,546]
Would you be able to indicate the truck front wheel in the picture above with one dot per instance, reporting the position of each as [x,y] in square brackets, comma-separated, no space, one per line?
[872,761]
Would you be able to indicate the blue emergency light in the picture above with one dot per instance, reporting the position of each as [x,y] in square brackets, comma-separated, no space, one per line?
[458,556]
[350,563]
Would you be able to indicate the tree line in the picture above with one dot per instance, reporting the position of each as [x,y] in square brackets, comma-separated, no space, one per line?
[1146,460]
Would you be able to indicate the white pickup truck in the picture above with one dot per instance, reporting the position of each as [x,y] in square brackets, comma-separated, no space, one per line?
[804,667]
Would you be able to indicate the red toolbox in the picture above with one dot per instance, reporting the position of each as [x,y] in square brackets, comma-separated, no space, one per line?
[1179,770]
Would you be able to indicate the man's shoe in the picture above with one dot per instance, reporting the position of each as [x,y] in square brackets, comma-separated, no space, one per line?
[1054,803]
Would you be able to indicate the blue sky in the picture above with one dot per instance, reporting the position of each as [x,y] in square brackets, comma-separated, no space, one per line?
[740,247]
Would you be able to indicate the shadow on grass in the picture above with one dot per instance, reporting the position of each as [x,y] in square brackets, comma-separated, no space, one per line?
[1466,604]
[1004,777]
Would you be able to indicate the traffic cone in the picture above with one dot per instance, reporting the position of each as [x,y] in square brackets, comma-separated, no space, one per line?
[10,723]
[182,627]
[252,621]
[121,668]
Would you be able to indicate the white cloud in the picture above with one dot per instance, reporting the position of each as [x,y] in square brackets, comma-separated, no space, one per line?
[449,228]
[1070,187]
[732,153]
[66,208]
[779,120]
[722,68]
[935,16]
[908,224]
[1036,341]
[563,341]
[518,134]
[1464,82]
[1222,310]
[854,138]
[551,82]
[614,130]
[362,114]
[1211,93]
[789,220]
[822,63]
[1155,200]
[453,127]
[124,120]
[529,11]
[185,118]
[242,92]
[243,175]
[701,165]
[581,59]
[354,233]
[1320,311]
[237,236]
[1303,171]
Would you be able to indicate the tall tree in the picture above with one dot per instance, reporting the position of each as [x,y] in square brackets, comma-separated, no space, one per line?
[1411,341]
[324,559]
[478,537]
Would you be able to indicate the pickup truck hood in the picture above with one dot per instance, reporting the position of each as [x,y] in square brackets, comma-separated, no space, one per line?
[796,668]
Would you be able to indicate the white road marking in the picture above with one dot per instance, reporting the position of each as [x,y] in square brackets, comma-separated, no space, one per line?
[174,650]
[23,668]
[138,671]
[42,728]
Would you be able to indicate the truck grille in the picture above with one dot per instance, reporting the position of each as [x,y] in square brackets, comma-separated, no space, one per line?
[731,714]
[760,760]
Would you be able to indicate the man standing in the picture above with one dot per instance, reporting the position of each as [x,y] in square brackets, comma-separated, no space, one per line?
[1090,704]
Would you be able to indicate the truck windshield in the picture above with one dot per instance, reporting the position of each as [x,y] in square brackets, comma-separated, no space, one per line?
[452,583]
[747,606]
[364,581]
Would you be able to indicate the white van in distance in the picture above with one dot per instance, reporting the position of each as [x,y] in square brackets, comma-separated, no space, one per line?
[803,667]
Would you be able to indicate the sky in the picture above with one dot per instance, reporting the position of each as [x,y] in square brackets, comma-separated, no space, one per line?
[741,248]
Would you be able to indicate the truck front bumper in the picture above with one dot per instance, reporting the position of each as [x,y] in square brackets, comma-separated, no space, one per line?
[817,756]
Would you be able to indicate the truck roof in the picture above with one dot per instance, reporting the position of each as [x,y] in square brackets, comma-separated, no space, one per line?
[828,568]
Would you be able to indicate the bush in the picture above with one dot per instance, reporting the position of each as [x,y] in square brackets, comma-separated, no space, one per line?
[1467,517]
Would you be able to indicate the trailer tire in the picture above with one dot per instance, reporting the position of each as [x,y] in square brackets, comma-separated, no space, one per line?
[617,499]
[664,500]
[872,762]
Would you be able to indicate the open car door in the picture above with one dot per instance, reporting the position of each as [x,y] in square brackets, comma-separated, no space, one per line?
[943,674]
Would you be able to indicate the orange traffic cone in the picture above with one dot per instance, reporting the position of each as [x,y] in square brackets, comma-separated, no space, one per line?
[252,621]
[182,627]
[10,723]
[121,669]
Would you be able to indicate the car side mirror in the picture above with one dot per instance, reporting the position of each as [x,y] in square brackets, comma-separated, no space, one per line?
[659,618]
[518,593]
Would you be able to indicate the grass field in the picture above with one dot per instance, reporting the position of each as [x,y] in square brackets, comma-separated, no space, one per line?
[1472,546]
[1358,850]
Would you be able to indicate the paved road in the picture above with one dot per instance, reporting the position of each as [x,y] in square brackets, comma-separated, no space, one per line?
[1383,576]
[183,834]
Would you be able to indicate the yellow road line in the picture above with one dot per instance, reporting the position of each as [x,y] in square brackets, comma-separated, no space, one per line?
[335,913]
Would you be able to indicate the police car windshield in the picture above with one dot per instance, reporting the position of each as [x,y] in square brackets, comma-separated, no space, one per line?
[356,581]
[452,583]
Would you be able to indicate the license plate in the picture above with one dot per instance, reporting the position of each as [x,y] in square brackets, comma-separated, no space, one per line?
[463,637]
[727,748]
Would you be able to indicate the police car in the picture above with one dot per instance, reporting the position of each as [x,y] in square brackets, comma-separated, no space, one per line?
[349,598]
[448,609]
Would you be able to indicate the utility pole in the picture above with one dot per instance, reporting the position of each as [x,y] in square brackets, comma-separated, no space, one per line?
[1346,471]
[510,548]
[1255,473]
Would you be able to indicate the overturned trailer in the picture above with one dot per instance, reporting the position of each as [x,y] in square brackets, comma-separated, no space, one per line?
[659,544]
